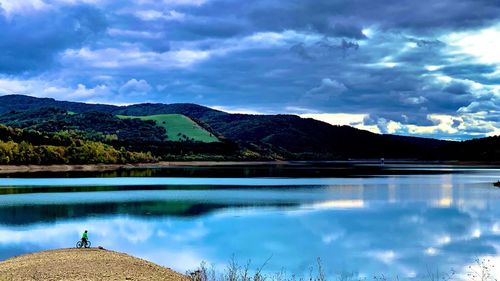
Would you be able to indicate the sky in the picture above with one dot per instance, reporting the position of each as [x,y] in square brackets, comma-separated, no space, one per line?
[422,68]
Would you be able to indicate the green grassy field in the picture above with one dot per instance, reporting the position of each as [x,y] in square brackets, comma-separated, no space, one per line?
[179,127]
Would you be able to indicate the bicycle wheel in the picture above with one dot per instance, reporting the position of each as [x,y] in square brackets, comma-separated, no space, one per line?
[87,245]
[79,244]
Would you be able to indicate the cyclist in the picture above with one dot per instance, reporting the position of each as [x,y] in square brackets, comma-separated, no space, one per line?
[85,238]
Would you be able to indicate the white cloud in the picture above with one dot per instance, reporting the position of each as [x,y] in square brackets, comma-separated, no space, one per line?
[350,119]
[337,118]
[8,86]
[149,15]
[368,32]
[481,44]
[133,33]
[299,110]
[135,87]
[173,2]
[386,257]
[431,251]
[414,100]
[81,91]
[276,39]
[432,67]
[472,124]
[188,57]
[327,89]
[479,106]
[388,126]
[385,62]
[273,38]
[132,56]
[240,110]
[182,54]
[20,7]
[53,89]
[185,2]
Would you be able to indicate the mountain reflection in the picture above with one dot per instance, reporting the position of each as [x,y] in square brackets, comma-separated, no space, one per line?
[396,225]
[31,214]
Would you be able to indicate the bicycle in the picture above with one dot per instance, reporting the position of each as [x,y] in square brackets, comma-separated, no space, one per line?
[80,244]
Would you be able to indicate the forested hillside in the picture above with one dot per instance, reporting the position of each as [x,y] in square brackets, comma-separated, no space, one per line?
[242,136]
[51,135]
[94,125]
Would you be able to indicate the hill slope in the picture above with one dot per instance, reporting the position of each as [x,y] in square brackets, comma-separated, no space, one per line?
[178,127]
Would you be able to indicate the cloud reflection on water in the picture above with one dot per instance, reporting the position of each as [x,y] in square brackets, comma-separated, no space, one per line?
[393,228]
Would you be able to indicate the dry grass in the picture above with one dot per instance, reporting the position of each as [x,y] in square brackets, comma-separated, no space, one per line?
[481,270]
[235,272]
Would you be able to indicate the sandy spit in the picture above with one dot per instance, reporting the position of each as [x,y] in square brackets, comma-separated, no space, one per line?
[83,264]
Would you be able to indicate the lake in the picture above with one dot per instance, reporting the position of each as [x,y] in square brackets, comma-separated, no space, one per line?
[365,220]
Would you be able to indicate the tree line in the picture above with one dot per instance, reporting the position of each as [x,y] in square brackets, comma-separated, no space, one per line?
[18,146]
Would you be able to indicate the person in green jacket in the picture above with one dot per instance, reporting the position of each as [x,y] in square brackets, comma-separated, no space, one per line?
[85,237]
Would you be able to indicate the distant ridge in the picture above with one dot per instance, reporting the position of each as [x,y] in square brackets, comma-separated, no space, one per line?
[22,102]
[283,136]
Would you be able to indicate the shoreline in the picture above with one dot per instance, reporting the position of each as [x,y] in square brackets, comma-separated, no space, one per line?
[13,169]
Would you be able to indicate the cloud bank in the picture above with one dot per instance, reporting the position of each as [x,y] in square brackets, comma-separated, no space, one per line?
[408,67]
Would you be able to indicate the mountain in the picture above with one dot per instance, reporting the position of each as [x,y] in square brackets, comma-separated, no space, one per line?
[243,136]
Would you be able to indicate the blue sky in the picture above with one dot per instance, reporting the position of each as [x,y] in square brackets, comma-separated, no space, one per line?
[404,67]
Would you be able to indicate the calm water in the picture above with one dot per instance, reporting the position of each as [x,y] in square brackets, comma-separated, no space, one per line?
[405,222]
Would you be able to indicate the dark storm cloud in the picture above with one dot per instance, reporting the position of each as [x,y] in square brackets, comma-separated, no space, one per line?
[458,88]
[340,18]
[349,31]
[426,43]
[324,48]
[388,59]
[199,28]
[471,71]
[30,43]
[422,17]
[301,50]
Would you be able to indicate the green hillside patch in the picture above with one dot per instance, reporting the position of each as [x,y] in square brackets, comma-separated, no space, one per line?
[179,127]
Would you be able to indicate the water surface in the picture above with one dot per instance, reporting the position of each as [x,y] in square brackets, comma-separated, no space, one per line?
[430,218]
